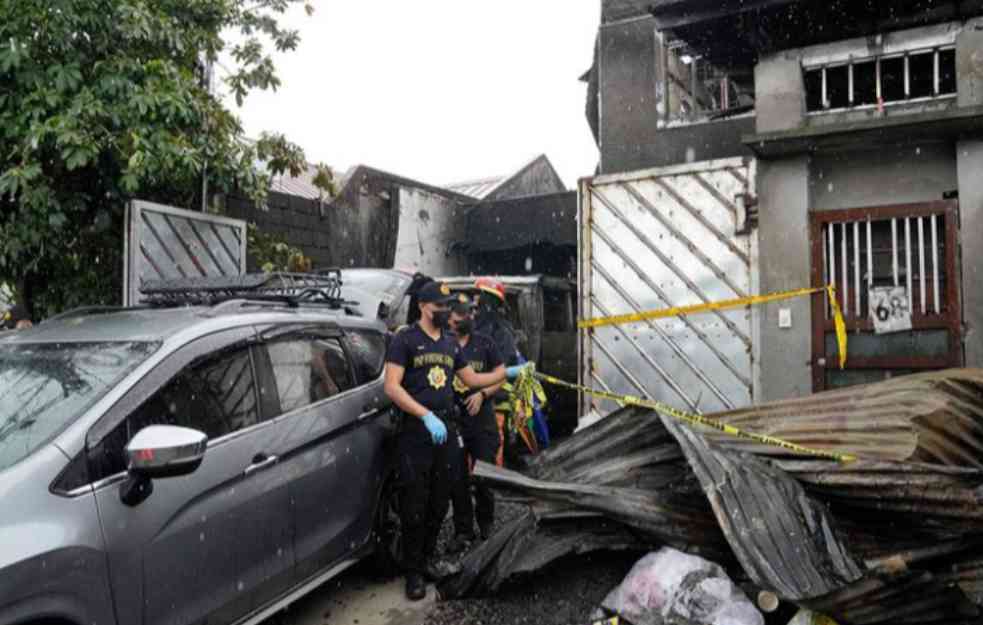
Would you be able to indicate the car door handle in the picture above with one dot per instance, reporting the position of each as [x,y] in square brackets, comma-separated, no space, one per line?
[368,410]
[260,462]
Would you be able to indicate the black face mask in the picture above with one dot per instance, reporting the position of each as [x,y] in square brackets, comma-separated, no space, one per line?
[442,319]
[464,327]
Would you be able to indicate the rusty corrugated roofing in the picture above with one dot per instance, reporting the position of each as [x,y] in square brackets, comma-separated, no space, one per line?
[785,540]
[892,538]
[930,417]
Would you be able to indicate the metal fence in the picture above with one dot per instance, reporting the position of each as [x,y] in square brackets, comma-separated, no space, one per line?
[660,239]
[164,242]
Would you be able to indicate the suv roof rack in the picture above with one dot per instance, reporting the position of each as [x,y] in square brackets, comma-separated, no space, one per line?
[290,289]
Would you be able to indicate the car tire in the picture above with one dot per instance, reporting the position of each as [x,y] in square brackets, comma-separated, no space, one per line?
[387,536]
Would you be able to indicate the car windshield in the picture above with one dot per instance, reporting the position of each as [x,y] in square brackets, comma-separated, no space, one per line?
[46,386]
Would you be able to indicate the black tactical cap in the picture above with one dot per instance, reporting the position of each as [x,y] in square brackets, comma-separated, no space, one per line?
[434,293]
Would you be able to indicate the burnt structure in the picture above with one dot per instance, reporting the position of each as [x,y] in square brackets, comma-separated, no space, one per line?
[380,219]
[524,236]
[864,119]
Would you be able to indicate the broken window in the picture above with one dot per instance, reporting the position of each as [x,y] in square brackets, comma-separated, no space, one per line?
[864,83]
[881,80]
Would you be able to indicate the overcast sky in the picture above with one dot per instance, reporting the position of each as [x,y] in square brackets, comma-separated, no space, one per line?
[437,90]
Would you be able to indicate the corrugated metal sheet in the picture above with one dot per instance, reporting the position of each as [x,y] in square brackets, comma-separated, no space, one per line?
[785,540]
[934,417]
[874,542]
[300,186]
[478,189]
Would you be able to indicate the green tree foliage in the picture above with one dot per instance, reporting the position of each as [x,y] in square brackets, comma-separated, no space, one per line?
[271,253]
[102,101]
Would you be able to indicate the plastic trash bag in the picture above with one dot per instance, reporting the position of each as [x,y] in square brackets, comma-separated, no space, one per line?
[669,587]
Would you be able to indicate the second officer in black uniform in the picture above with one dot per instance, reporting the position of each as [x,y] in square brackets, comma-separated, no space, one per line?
[475,429]
[420,367]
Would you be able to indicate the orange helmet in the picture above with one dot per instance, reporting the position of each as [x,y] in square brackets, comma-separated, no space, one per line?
[491,286]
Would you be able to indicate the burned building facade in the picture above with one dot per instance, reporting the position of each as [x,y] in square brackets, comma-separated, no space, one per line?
[860,125]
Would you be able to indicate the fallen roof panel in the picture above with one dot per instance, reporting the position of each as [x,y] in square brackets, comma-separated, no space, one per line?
[931,417]
[785,540]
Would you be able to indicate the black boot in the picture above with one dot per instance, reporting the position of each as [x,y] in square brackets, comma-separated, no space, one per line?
[416,587]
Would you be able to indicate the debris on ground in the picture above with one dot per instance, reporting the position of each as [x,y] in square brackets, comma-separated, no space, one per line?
[670,586]
[565,592]
[896,536]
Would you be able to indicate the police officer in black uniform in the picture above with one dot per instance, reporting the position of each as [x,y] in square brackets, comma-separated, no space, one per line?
[475,428]
[420,368]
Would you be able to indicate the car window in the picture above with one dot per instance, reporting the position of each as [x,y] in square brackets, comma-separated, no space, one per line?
[216,395]
[308,368]
[45,387]
[368,350]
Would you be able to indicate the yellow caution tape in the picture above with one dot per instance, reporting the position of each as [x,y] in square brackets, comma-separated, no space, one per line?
[830,290]
[699,420]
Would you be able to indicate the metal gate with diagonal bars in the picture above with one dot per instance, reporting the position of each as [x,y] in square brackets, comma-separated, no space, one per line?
[164,242]
[659,239]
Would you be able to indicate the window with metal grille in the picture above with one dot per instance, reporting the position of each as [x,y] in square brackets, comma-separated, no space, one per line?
[881,81]
[911,247]
[908,252]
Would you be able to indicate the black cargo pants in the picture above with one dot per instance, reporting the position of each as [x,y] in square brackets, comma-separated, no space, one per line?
[468,437]
[424,480]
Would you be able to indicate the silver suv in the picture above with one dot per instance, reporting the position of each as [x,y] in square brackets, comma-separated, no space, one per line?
[193,463]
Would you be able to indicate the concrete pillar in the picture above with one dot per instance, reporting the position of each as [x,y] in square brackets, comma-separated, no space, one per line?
[780,98]
[783,240]
[629,89]
[969,64]
[969,158]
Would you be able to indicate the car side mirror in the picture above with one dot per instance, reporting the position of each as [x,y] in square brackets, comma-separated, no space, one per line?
[160,451]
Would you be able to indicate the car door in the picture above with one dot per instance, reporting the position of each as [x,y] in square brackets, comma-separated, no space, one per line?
[332,456]
[202,546]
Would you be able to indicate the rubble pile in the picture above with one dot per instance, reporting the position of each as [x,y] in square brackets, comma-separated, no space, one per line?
[893,537]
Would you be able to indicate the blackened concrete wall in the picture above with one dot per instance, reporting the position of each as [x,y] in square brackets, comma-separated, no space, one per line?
[969,155]
[881,176]
[630,87]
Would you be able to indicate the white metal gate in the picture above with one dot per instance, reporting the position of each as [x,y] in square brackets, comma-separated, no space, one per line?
[659,239]
[163,242]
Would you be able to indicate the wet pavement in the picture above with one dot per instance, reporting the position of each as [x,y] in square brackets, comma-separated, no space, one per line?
[565,593]
[357,598]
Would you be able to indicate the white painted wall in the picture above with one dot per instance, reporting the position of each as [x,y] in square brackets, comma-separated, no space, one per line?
[428,225]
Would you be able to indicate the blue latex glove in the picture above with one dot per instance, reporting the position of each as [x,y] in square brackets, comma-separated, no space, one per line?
[438,431]
[512,373]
